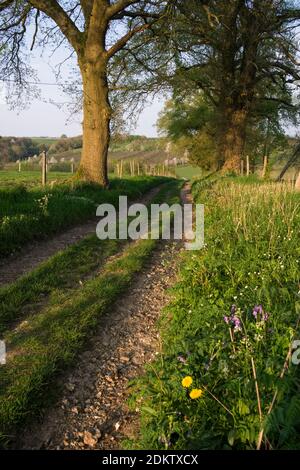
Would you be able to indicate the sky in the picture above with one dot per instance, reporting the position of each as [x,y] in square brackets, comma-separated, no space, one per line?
[43,118]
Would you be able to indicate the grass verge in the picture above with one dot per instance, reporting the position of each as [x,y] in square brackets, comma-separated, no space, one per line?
[227,377]
[31,214]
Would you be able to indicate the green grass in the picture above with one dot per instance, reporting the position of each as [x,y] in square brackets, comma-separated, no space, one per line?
[251,258]
[53,334]
[189,172]
[44,140]
[11,178]
[30,214]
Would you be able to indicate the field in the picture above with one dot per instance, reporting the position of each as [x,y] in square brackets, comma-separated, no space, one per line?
[33,178]
[44,140]
[28,178]
[188,172]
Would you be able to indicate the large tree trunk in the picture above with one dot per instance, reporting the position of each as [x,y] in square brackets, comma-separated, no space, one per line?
[233,136]
[96,122]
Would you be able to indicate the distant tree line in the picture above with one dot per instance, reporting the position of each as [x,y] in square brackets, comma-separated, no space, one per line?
[16,148]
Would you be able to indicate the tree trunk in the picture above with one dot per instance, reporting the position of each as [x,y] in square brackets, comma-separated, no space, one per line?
[233,140]
[297,184]
[96,122]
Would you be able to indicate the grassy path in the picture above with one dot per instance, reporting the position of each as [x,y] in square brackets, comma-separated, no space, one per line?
[55,329]
[40,251]
[92,412]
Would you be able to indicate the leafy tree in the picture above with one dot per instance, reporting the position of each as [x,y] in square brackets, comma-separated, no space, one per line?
[243,55]
[190,123]
[96,31]
[13,148]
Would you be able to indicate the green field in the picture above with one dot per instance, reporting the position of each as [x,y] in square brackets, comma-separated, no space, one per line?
[44,140]
[11,178]
[189,172]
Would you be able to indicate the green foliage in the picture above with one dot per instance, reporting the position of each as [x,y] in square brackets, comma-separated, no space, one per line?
[189,123]
[64,144]
[16,148]
[251,258]
[185,117]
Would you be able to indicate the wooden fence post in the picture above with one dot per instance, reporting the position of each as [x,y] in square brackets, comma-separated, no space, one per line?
[242,167]
[248,165]
[44,168]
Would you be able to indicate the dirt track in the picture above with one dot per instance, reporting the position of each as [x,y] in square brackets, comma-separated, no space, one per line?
[92,412]
[34,254]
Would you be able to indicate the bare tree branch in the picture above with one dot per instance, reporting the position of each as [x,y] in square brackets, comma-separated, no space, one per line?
[61,18]
[121,43]
[119,6]
[36,29]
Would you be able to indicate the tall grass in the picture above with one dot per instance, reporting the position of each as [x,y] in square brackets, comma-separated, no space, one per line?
[213,334]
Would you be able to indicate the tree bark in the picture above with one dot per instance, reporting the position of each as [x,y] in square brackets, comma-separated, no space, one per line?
[232,140]
[96,122]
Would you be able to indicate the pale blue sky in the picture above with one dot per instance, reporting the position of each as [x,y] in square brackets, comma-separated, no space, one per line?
[42,118]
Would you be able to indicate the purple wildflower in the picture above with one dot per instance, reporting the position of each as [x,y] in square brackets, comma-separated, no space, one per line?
[237,323]
[258,310]
[266,316]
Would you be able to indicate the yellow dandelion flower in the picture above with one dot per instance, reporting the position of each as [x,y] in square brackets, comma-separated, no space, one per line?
[187,382]
[196,393]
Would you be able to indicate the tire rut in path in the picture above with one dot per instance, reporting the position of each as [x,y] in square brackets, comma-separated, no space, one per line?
[93,412]
[11,268]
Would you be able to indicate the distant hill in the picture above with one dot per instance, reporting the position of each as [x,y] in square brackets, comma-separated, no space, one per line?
[119,143]
[17,148]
